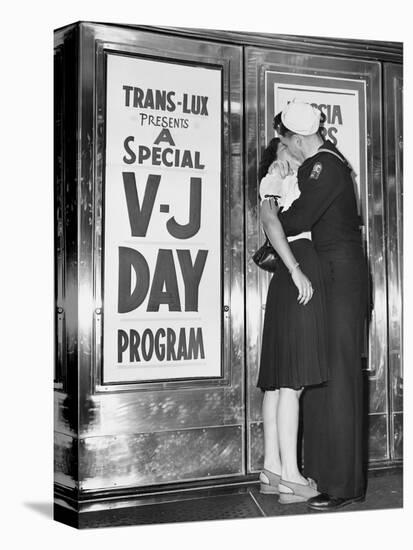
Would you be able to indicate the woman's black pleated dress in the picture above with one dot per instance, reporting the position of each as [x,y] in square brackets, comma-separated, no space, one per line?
[294,340]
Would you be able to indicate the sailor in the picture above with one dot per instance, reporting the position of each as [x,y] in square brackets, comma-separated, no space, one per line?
[327,206]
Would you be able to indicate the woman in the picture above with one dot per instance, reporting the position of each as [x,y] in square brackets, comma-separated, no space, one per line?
[294,349]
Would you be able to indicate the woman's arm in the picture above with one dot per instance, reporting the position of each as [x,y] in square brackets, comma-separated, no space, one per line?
[273,228]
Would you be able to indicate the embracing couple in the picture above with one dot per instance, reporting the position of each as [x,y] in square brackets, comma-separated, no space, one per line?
[314,317]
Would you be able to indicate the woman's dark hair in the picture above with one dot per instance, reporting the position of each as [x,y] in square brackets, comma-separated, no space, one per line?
[279,127]
[268,157]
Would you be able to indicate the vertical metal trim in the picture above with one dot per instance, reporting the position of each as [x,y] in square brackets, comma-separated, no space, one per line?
[378,364]
[67,311]
[393,184]
[86,220]
[59,218]
[244,146]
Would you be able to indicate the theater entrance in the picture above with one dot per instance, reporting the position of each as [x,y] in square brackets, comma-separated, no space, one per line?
[159,307]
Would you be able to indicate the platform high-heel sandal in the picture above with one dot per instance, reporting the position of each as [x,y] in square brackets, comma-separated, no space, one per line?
[269,482]
[298,491]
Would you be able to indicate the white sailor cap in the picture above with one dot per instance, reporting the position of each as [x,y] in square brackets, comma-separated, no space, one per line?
[301,118]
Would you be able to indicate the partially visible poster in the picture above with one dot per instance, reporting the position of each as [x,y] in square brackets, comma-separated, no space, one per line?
[341,100]
[162,242]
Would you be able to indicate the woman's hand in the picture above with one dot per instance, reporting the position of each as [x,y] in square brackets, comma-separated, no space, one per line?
[305,290]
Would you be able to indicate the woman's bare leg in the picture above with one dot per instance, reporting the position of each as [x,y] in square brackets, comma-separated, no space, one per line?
[272,460]
[287,422]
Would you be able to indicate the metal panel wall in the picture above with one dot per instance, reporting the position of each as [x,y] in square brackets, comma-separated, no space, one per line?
[393,103]
[151,433]
[257,63]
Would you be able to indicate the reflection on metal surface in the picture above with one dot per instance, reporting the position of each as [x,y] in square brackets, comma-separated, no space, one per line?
[160,457]
[378,393]
[132,412]
[65,417]
[377,442]
[65,460]
[256,446]
[59,208]
[397,435]
[396,383]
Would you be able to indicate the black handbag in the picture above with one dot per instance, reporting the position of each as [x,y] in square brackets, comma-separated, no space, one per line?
[266,257]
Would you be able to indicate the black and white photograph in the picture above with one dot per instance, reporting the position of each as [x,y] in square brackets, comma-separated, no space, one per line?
[216,296]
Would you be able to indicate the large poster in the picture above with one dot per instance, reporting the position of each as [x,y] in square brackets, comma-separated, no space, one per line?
[162,200]
[343,103]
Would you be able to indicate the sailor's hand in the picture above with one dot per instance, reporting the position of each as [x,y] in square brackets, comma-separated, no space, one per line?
[269,209]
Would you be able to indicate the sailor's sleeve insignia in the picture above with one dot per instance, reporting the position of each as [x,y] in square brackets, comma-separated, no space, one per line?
[316,171]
